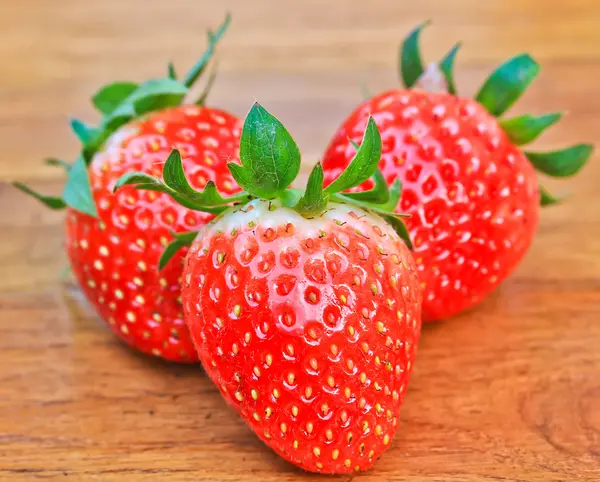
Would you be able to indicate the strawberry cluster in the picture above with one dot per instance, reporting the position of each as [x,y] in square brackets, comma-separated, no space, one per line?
[304,306]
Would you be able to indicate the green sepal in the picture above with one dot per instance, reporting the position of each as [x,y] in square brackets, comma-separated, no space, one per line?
[201,64]
[290,197]
[507,83]
[84,132]
[207,88]
[314,200]
[547,199]
[379,194]
[181,240]
[398,225]
[363,164]
[269,155]
[109,97]
[447,68]
[121,115]
[561,163]
[411,65]
[171,73]
[52,161]
[157,94]
[52,202]
[77,193]
[526,128]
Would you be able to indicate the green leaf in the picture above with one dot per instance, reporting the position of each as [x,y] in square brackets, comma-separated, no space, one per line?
[314,200]
[526,128]
[547,199]
[77,192]
[207,88]
[395,195]
[140,178]
[200,65]
[290,197]
[411,65]
[447,68]
[379,194]
[364,163]
[562,163]
[108,98]
[181,240]
[507,83]
[171,71]
[270,157]
[51,202]
[120,116]
[84,132]
[400,228]
[52,161]
[157,94]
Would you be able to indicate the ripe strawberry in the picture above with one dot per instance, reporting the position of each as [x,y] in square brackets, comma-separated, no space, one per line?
[305,311]
[114,241]
[472,193]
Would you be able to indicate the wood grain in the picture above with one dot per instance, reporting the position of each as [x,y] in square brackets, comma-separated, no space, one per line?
[509,391]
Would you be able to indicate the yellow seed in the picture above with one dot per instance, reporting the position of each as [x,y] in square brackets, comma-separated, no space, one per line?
[313,364]
[291,378]
[319,465]
[380,327]
[283,428]
[330,381]
[347,392]
[142,265]
[351,330]
[247,337]
[220,258]
[335,454]
[124,329]
[294,410]
[378,407]
[365,347]
[268,412]
[395,395]
[378,430]
[371,453]
[254,394]
[344,417]
[362,403]
[256,416]
[329,434]
[343,299]
[350,364]
[130,316]
[377,386]
[103,250]
[374,289]
[267,435]
[309,427]
[363,378]
[388,414]
[237,310]
[334,350]
[365,426]
[308,392]
[140,299]
[347,463]
[317,451]
[276,393]
[386,439]
[377,360]
[119,294]
[269,359]
[296,444]
[239,396]
[256,371]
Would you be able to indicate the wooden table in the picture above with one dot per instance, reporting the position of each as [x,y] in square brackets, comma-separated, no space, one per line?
[509,391]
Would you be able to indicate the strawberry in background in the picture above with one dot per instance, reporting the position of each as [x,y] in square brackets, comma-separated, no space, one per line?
[114,241]
[469,185]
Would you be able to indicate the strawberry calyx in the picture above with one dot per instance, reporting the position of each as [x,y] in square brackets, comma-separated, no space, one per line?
[270,162]
[120,103]
[499,92]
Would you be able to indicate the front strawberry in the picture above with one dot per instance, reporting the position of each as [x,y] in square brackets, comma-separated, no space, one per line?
[114,242]
[304,307]
[471,191]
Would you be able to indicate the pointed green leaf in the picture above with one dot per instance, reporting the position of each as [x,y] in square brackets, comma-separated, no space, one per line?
[507,83]
[108,98]
[52,202]
[171,71]
[181,240]
[526,128]
[290,197]
[379,194]
[411,65]
[447,68]
[547,199]
[52,161]
[314,200]
[141,178]
[207,88]
[200,65]
[84,132]
[120,116]
[364,163]
[78,192]
[270,157]
[400,228]
[562,163]
[157,94]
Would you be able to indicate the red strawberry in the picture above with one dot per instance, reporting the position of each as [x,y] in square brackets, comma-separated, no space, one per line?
[472,193]
[305,312]
[114,241]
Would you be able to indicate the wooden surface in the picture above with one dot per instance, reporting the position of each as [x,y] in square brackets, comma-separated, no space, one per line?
[510,391]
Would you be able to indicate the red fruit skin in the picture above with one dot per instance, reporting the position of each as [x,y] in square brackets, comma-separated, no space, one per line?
[308,327]
[472,195]
[115,257]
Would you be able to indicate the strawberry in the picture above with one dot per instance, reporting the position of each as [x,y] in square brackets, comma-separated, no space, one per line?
[471,191]
[304,308]
[114,241]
